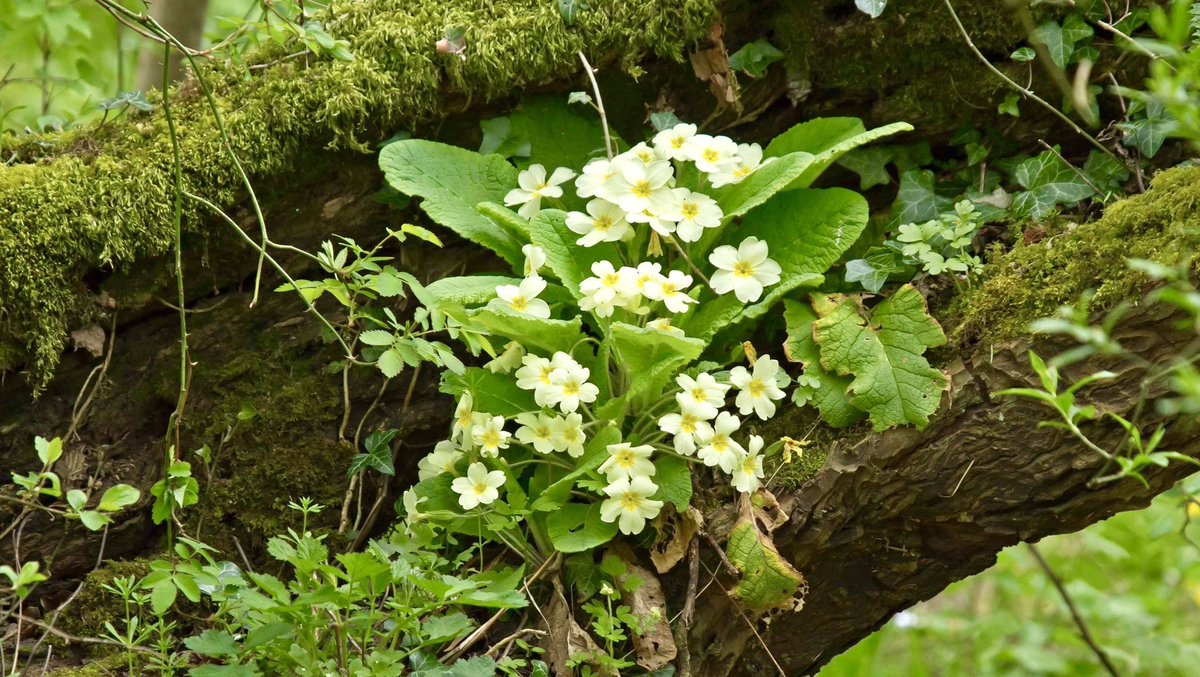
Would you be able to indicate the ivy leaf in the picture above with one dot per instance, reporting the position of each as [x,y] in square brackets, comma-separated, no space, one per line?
[754,58]
[768,580]
[651,356]
[1023,54]
[117,497]
[828,139]
[378,456]
[918,200]
[1010,106]
[872,8]
[1059,41]
[576,527]
[830,393]
[212,643]
[883,349]
[569,10]
[870,164]
[1048,182]
[451,181]
[1147,134]
[878,266]
[500,138]
[1105,171]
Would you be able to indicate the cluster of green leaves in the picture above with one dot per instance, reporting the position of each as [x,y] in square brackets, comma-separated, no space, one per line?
[861,363]
[388,610]
[45,483]
[937,246]
[282,23]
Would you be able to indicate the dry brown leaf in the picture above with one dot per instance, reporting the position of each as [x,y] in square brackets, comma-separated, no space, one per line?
[655,647]
[565,637]
[667,553]
[711,64]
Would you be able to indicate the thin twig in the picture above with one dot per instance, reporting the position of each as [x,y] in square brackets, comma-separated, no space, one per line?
[608,144]
[1079,622]
[1024,91]
[687,258]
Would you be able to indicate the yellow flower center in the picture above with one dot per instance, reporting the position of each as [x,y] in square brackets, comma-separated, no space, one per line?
[642,189]
[742,172]
[570,435]
[480,488]
[631,502]
[669,289]
[699,395]
[687,425]
[570,389]
[749,466]
[490,439]
[690,211]
[611,280]
[544,376]
[602,223]
[519,304]
[678,142]
[710,155]
[646,156]
[624,459]
[743,269]
[756,388]
[720,443]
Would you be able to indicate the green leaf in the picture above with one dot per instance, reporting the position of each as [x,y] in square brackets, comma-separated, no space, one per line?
[213,670]
[651,357]
[1147,134]
[569,11]
[768,581]
[117,497]
[1010,106]
[495,394]
[162,596]
[451,182]
[76,499]
[1060,41]
[559,135]
[831,395]
[760,186]
[569,261]
[918,200]
[673,475]
[390,362]
[212,643]
[378,454]
[1023,54]
[500,138]
[883,349]
[754,58]
[48,451]
[479,666]
[872,8]
[870,164]
[1105,171]
[470,290]
[594,453]
[377,337]
[827,139]
[576,527]
[93,520]
[1048,182]
[877,267]
[547,335]
[806,231]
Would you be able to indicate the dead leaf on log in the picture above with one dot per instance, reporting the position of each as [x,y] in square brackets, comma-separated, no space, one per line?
[566,638]
[711,64]
[768,580]
[668,552]
[643,594]
[767,511]
[90,338]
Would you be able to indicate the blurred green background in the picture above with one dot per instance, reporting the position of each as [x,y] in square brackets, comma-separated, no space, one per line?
[1135,578]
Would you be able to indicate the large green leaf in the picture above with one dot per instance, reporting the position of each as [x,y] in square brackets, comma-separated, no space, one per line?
[576,527]
[1048,182]
[806,231]
[560,135]
[831,395]
[569,261]
[594,453]
[918,200]
[495,394]
[673,475]
[468,290]
[547,335]
[883,350]
[765,182]
[768,580]
[451,181]
[651,357]
[827,139]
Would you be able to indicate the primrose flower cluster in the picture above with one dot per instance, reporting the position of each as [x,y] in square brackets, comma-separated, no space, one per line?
[634,197]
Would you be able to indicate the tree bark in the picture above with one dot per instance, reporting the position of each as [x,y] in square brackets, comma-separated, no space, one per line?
[183,19]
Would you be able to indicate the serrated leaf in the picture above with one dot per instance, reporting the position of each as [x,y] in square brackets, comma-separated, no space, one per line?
[883,350]
[212,643]
[673,475]
[451,181]
[576,527]
[768,580]
[390,362]
[495,394]
[1048,182]
[651,356]
[162,596]
[827,139]
[377,337]
[831,396]
[479,666]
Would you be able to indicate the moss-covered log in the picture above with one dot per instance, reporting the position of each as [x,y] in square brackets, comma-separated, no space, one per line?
[881,522]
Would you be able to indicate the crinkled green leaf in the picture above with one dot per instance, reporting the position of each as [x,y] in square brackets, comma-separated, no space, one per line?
[831,395]
[212,643]
[595,453]
[451,181]
[768,581]
[673,475]
[545,335]
[569,261]
[918,199]
[1048,182]
[652,357]
[827,139]
[762,185]
[576,527]
[882,349]
[495,394]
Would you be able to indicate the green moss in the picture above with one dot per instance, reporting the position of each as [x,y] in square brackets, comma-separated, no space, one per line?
[101,198]
[94,605]
[107,666]
[1032,281]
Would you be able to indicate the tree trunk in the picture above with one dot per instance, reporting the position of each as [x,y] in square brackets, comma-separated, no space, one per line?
[183,19]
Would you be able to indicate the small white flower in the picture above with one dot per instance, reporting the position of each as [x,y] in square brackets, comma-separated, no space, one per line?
[508,360]
[646,154]
[744,271]
[637,184]
[703,392]
[696,211]
[749,159]
[758,389]
[604,222]
[523,299]
[747,476]
[629,504]
[608,282]
[567,434]
[440,461]
[659,215]
[673,142]
[535,375]
[627,461]
[670,290]
[685,426]
[491,436]
[412,506]
[479,487]
[464,420]
[711,153]
[645,274]
[534,187]
[536,431]
[569,387]
[663,324]
[535,258]
[718,448]
[595,177]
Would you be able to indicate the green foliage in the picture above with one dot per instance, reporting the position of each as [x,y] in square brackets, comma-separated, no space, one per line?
[768,581]
[1048,182]
[754,58]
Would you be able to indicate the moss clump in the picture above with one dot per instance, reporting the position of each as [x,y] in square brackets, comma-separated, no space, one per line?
[1033,281]
[94,605]
[115,664]
[103,198]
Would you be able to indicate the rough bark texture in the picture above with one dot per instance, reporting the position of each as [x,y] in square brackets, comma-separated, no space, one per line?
[890,520]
